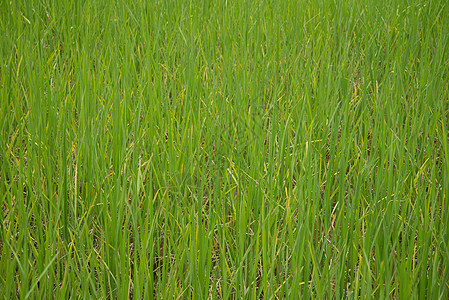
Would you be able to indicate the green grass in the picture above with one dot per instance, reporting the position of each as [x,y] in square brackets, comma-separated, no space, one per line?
[224,149]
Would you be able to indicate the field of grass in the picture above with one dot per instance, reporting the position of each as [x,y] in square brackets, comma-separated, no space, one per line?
[224,149]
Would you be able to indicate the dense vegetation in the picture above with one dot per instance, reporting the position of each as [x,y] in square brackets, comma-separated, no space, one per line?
[224,149]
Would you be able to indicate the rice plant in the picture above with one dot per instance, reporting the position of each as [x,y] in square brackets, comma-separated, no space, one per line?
[224,149]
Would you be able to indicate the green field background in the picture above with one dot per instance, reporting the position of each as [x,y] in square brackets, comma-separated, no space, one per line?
[224,149]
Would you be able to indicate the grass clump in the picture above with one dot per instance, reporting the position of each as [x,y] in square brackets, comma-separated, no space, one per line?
[227,149]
